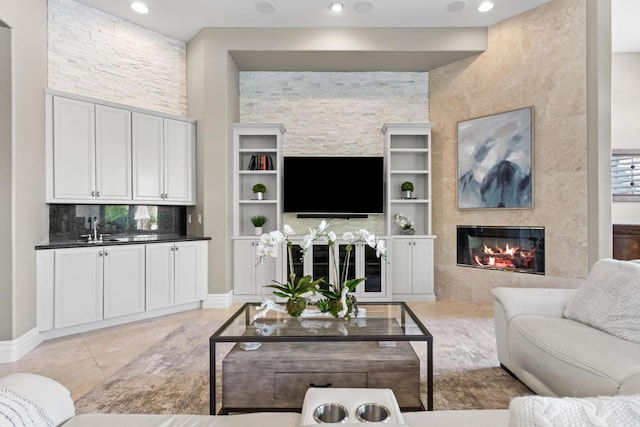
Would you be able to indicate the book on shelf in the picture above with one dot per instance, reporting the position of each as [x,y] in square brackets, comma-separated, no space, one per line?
[260,162]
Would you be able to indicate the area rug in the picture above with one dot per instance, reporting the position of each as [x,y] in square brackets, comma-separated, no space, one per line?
[173,375]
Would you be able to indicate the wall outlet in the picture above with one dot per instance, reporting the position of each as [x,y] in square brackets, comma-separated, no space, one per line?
[199,218]
[188,218]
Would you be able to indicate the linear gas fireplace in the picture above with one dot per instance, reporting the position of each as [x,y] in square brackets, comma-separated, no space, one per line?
[518,249]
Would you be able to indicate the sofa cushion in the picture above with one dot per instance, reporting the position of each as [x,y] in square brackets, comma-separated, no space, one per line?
[609,299]
[562,357]
[258,419]
[534,411]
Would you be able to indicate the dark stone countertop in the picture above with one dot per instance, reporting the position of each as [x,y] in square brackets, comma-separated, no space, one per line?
[113,240]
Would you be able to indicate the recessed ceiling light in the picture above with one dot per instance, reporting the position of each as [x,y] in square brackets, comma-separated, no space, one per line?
[336,6]
[485,6]
[139,7]
[456,6]
[363,7]
[265,6]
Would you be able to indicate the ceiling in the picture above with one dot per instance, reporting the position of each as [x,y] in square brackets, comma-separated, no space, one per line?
[182,19]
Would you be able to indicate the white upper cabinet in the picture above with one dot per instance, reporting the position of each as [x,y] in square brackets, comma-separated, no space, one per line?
[179,162]
[148,157]
[90,152]
[113,153]
[163,160]
[99,153]
[72,144]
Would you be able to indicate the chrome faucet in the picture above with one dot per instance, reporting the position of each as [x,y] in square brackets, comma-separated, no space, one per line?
[95,228]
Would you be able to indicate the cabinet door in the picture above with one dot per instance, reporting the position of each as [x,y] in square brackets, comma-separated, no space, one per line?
[124,271]
[402,269]
[159,275]
[113,153]
[244,269]
[148,157]
[73,150]
[422,266]
[179,161]
[372,268]
[248,276]
[78,286]
[188,272]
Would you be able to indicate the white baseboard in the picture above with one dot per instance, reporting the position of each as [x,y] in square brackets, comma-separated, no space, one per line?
[218,300]
[13,350]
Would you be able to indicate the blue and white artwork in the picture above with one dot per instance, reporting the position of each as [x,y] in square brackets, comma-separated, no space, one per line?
[495,161]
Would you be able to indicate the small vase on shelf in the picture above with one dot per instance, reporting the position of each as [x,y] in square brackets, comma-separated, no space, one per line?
[257,231]
[408,231]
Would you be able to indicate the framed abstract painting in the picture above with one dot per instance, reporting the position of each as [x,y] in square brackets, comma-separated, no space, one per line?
[495,161]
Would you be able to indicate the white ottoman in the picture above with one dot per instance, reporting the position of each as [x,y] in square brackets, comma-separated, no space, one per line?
[50,395]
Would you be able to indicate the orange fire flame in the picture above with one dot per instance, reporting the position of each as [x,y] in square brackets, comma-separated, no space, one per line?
[503,257]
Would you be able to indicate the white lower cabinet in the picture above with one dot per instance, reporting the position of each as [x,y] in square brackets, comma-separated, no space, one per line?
[90,284]
[176,273]
[248,276]
[123,280]
[96,283]
[78,286]
[412,268]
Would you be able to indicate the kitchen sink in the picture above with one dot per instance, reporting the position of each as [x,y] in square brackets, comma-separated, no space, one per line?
[99,241]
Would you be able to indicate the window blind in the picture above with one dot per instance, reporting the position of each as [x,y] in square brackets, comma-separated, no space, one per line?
[625,176]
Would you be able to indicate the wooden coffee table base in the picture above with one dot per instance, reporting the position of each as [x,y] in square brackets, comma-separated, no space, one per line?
[278,374]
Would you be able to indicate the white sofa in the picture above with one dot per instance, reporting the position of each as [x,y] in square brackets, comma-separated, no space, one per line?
[541,343]
[56,402]
[53,401]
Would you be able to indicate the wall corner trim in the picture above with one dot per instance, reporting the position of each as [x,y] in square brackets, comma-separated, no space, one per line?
[11,351]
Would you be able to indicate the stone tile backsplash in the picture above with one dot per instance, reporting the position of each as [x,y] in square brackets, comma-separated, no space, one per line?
[71,221]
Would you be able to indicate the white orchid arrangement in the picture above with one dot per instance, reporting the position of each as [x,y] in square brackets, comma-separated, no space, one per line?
[403,221]
[269,244]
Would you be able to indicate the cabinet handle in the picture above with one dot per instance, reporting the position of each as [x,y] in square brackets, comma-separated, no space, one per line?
[100,253]
[106,252]
[176,248]
[166,195]
[97,194]
[93,194]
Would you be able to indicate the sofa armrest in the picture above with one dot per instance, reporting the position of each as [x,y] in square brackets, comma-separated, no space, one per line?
[510,302]
[540,301]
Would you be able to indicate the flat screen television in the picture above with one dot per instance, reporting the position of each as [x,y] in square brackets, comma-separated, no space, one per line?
[333,186]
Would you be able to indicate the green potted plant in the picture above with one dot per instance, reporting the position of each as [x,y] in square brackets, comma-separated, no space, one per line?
[259,189]
[258,221]
[407,189]
[338,300]
[294,292]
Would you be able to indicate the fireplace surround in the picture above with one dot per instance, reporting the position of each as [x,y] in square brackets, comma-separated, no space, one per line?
[518,249]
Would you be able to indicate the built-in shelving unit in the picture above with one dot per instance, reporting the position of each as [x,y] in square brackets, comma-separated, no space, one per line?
[257,145]
[409,274]
[408,159]
[408,155]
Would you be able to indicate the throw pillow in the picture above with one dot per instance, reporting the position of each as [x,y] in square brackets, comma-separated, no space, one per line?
[539,411]
[609,299]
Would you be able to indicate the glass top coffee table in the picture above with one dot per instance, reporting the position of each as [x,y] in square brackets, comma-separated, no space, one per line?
[276,357]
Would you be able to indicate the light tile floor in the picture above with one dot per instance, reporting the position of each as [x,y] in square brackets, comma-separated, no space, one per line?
[82,361]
